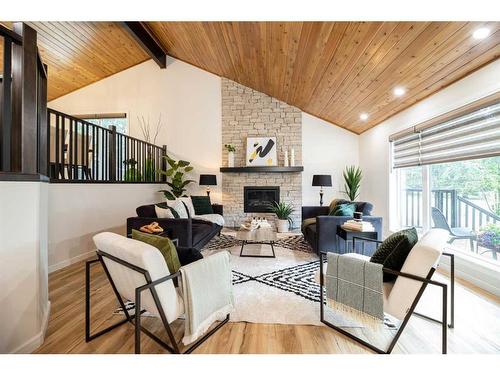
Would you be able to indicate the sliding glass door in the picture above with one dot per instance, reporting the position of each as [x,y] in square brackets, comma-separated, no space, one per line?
[463,197]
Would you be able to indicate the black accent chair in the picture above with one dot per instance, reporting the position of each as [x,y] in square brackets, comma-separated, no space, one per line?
[192,234]
[455,233]
[322,235]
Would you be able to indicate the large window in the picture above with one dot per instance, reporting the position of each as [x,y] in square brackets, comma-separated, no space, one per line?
[448,176]
[464,198]
[107,120]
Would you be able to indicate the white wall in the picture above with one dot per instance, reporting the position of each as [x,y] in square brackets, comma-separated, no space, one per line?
[23,266]
[374,152]
[79,211]
[188,99]
[326,149]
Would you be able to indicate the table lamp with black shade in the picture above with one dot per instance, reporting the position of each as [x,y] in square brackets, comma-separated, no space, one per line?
[208,180]
[322,180]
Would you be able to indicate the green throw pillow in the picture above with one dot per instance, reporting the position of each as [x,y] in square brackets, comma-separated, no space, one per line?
[344,209]
[202,205]
[164,244]
[393,252]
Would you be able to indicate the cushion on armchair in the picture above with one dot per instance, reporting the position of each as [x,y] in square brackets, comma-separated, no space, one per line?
[393,252]
[164,244]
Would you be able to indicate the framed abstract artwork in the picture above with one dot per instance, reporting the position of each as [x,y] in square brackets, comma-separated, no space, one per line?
[261,151]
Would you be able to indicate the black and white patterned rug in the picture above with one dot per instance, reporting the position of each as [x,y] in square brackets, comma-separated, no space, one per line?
[291,242]
[281,290]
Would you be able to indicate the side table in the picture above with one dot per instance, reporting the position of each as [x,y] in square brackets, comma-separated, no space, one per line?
[347,236]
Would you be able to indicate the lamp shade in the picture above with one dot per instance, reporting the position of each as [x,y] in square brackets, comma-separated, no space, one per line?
[322,180]
[208,179]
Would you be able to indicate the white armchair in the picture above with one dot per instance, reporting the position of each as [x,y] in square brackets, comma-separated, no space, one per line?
[402,295]
[138,272]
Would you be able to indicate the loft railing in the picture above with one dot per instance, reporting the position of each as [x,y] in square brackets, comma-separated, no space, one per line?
[80,151]
[458,211]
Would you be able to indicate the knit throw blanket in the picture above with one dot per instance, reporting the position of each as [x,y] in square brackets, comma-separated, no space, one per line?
[207,291]
[356,284]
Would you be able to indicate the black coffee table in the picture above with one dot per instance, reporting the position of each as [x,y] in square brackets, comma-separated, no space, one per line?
[347,236]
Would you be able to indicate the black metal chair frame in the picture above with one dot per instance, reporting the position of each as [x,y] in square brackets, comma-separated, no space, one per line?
[135,319]
[425,281]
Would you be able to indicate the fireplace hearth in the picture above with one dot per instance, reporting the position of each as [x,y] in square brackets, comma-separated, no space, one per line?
[259,199]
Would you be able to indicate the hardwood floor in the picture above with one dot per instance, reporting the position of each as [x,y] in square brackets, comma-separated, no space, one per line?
[477,329]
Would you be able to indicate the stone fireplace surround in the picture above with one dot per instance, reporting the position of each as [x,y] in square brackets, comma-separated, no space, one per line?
[249,113]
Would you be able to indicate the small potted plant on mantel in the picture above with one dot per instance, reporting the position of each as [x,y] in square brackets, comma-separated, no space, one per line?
[230,154]
[284,212]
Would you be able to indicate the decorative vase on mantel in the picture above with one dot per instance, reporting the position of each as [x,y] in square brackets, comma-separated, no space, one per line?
[230,159]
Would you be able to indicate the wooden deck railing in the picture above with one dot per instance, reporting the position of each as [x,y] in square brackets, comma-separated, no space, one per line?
[458,211]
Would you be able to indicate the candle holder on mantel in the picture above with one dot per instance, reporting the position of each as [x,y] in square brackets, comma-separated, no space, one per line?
[285,162]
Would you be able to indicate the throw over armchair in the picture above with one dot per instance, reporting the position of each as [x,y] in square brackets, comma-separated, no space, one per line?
[138,273]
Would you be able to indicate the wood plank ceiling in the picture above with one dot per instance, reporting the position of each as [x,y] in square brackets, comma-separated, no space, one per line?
[80,53]
[333,70]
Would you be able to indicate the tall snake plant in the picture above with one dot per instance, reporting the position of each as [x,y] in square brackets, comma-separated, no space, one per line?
[352,182]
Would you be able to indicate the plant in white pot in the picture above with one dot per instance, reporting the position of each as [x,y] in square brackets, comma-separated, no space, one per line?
[230,155]
[284,212]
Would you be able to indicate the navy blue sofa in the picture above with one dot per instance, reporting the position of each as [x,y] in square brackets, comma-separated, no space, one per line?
[322,234]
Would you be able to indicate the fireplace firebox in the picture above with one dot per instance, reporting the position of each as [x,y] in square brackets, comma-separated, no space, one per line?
[259,199]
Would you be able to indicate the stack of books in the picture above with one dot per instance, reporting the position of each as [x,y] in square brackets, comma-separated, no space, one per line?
[359,226]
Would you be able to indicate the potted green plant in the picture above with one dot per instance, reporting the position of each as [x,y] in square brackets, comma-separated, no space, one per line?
[230,154]
[149,134]
[283,212]
[352,182]
[175,178]
[131,173]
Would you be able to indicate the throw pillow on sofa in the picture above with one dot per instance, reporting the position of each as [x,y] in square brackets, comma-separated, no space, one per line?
[344,209]
[202,205]
[187,204]
[393,252]
[164,211]
[164,244]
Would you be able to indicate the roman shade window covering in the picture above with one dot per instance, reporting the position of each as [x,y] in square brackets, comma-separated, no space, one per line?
[470,134]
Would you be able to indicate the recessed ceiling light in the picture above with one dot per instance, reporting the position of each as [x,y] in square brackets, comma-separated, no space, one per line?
[399,91]
[363,116]
[481,33]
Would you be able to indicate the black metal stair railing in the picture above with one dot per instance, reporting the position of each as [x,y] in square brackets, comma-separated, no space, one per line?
[80,151]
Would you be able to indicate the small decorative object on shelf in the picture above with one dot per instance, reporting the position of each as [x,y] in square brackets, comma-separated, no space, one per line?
[285,162]
[230,155]
[292,157]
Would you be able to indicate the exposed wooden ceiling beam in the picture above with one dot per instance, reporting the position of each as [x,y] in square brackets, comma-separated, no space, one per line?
[148,43]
